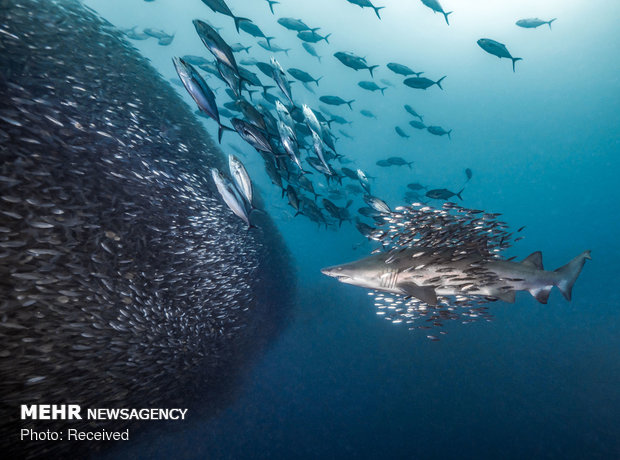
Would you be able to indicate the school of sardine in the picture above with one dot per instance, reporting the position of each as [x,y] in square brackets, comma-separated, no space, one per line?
[124,279]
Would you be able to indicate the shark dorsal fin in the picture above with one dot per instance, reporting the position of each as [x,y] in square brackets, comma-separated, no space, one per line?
[534,260]
[541,294]
[426,294]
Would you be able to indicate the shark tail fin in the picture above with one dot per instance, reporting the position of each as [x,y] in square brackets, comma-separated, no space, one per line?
[551,22]
[237,20]
[569,273]
[377,8]
[445,15]
[513,62]
[371,68]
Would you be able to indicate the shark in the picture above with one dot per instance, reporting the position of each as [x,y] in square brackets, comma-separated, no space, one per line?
[426,273]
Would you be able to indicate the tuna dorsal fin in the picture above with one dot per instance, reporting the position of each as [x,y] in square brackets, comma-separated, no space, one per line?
[541,294]
[426,294]
[534,259]
[507,296]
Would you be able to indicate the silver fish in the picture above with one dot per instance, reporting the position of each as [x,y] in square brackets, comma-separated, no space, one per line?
[230,195]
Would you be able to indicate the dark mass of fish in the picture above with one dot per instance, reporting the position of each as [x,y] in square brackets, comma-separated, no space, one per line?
[124,280]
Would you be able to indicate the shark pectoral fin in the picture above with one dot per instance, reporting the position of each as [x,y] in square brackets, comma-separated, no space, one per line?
[426,294]
[534,260]
[507,296]
[541,294]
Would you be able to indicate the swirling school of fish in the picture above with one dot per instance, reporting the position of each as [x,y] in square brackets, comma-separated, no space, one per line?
[280,130]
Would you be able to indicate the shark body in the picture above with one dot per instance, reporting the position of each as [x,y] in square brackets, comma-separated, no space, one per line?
[425,273]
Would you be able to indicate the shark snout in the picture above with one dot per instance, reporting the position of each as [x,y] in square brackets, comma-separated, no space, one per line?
[335,272]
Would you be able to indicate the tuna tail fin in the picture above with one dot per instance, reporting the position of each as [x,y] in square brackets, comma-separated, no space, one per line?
[513,62]
[317,81]
[459,193]
[383,90]
[371,68]
[221,130]
[326,38]
[449,137]
[569,273]
[409,164]
[269,40]
[438,82]
[319,58]
[315,29]
[271,3]
[255,209]
[238,19]
[445,15]
[350,102]
[550,21]
[377,8]
[286,51]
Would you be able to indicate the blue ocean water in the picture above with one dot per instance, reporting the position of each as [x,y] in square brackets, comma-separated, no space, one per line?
[539,380]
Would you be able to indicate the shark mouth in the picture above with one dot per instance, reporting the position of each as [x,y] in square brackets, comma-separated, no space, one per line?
[334,273]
